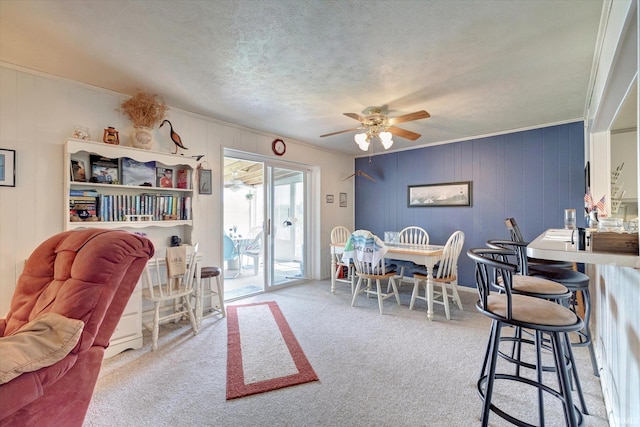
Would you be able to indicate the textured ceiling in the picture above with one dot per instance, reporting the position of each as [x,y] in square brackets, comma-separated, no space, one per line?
[292,67]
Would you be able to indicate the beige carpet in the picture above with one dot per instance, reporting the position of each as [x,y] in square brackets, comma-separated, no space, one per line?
[397,369]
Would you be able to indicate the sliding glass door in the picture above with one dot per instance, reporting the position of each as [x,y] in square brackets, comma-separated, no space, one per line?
[287,214]
[264,218]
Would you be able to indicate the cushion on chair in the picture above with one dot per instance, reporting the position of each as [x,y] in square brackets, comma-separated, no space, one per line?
[206,272]
[532,310]
[45,340]
[537,285]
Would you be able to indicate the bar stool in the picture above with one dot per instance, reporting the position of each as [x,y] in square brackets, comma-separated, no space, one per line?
[542,317]
[215,292]
[516,236]
[576,282]
[533,286]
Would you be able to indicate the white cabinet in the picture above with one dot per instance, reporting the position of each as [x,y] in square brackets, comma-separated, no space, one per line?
[128,332]
[158,211]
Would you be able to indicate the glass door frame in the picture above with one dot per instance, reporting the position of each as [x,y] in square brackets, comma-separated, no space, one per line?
[270,206]
[269,163]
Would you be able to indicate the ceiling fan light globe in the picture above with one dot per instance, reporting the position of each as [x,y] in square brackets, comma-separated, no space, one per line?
[387,144]
[364,146]
[360,138]
[385,136]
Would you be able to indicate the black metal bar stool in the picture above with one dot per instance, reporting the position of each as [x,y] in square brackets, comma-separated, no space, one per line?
[575,281]
[541,317]
[578,284]
[538,287]
[209,290]
[516,236]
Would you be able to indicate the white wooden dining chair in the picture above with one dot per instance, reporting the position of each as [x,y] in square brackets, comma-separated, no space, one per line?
[446,275]
[341,234]
[170,293]
[409,235]
[367,252]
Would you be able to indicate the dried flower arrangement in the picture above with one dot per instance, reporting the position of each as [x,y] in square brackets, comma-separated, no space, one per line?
[145,109]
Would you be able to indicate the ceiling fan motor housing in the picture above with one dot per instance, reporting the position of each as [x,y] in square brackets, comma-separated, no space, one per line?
[376,122]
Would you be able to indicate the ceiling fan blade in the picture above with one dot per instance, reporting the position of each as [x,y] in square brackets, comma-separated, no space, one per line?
[403,133]
[358,117]
[340,131]
[409,117]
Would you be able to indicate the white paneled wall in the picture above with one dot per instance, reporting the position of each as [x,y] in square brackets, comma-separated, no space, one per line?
[616,300]
[616,290]
[38,112]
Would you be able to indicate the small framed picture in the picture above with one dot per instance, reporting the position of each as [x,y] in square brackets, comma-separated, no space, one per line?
[343,200]
[164,177]
[204,181]
[78,171]
[7,168]
[329,198]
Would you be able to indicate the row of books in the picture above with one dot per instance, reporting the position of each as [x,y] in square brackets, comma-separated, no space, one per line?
[121,207]
[126,171]
[83,206]
[116,207]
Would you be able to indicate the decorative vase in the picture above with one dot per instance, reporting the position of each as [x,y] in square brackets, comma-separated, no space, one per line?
[593,219]
[142,137]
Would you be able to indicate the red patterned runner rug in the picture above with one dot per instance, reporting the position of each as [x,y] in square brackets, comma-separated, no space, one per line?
[262,352]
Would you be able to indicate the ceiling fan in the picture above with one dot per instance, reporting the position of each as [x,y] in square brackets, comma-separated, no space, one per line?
[377,123]
[235,184]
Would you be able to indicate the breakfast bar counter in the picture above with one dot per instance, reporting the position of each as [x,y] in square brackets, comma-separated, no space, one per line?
[546,247]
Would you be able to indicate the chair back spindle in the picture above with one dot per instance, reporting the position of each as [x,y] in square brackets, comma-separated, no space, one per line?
[414,235]
[448,267]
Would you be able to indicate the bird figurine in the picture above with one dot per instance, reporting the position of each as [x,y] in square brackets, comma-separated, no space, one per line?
[174,137]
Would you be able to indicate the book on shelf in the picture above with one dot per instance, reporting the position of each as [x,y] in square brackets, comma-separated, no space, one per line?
[138,173]
[183,178]
[164,177]
[75,192]
[78,171]
[187,208]
[103,169]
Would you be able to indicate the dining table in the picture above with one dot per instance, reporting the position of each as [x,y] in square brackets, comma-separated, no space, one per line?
[239,243]
[423,255]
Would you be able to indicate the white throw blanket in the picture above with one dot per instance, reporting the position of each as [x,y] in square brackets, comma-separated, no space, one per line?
[365,246]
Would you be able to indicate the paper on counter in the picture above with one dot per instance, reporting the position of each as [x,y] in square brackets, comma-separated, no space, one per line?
[558,235]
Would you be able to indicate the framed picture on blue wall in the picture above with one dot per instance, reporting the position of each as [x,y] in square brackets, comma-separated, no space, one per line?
[436,195]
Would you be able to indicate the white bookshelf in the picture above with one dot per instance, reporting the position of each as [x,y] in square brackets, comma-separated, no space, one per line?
[128,333]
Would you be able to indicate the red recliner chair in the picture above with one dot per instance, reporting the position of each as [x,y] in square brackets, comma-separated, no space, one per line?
[87,275]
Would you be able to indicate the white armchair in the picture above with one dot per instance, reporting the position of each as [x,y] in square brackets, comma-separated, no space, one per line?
[253,250]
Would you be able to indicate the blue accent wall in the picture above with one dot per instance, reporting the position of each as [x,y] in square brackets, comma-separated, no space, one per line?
[530,175]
